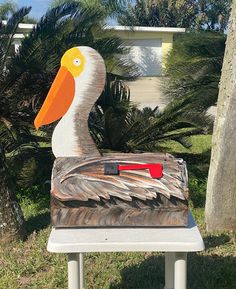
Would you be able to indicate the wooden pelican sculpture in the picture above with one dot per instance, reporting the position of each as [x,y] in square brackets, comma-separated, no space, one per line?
[83,193]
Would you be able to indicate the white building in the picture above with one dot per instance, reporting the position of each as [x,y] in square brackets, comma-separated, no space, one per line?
[149,48]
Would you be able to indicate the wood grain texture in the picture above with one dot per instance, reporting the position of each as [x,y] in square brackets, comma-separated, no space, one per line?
[83,196]
[114,213]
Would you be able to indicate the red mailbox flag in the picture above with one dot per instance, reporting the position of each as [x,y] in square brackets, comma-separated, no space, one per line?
[154,169]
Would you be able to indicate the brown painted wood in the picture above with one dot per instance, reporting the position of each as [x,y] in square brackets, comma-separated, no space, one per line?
[82,196]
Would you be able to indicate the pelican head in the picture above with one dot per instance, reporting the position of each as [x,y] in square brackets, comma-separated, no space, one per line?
[76,87]
[82,68]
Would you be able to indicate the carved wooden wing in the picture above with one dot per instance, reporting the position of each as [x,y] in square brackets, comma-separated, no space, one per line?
[84,179]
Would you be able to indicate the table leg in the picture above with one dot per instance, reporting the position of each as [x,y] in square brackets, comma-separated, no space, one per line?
[180,270]
[75,271]
[169,270]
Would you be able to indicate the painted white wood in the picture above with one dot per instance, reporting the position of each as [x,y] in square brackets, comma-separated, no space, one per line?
[65,141]
[169,270]
[175,242]
[175,271]
[180,274]
[81,270]
[147,54]
[75,271]
[126,239]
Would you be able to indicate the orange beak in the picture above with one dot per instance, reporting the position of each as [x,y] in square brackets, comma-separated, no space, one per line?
[58,100]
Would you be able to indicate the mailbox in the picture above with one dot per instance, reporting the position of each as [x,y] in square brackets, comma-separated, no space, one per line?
[111,190]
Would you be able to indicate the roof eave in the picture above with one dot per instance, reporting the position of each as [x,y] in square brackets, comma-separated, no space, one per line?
[147,29]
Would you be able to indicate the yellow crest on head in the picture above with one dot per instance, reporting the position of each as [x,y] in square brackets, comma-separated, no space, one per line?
[74,61]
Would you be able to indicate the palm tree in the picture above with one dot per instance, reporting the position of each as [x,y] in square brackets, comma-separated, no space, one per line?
[7,8]
[200,14]
[11,217]
[26,77]
[214,15]
[122,127]
[67,25]
[194,68]
[160,13]
[108,7]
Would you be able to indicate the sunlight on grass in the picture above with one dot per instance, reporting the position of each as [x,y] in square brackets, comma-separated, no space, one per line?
[28,265]
[200,144]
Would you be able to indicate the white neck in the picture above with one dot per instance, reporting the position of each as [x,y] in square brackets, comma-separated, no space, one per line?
[72,129]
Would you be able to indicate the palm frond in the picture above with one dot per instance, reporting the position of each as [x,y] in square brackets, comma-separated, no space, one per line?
[7,8]
[194,68]
[7,33]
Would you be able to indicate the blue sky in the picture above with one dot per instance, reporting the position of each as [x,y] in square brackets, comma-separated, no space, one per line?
[38,6]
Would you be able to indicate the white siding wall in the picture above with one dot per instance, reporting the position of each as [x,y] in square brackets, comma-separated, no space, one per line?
[147,54]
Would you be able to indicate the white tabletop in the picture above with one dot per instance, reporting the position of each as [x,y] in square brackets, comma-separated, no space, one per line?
[81,240]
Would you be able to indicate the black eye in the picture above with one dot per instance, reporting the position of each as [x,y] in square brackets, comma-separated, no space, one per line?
[76,62]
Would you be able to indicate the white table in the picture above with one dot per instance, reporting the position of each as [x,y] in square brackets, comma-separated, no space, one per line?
[175,242]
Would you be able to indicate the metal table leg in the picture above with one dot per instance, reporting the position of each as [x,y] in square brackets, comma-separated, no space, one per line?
[180,279]
[169,270]
[75,271]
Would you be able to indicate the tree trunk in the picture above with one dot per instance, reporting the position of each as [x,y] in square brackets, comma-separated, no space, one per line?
[12,225]
[221,188]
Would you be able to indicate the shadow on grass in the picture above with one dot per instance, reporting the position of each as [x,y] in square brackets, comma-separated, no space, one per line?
[215,241]
[205,272]
[198,166]
[37,223]
[147,275]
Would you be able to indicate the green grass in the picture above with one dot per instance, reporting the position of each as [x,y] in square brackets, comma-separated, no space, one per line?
[198,159]
[200,144]
[28,265]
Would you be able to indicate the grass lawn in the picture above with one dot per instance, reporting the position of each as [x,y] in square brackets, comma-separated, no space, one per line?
[28,265]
